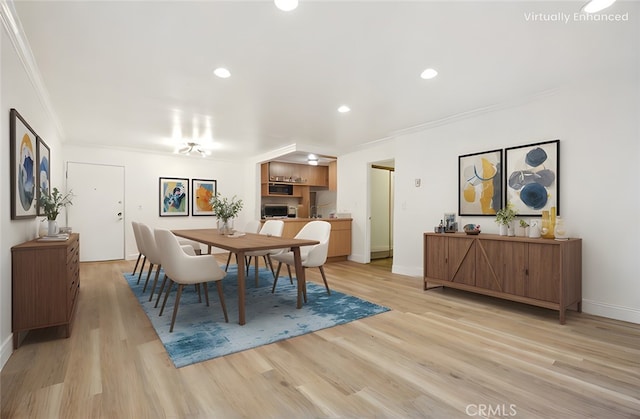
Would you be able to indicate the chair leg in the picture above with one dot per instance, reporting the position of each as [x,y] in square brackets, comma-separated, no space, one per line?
[257,263]
[135,268]
[206,292]
[228,261]
[269,263]
[146,282]
[290,277]
[275,279]
[164,281]
[304,286]
[221,296]
[199,293]
[166,297]
[155,282]
[175,307]
[144,260]
[324,278]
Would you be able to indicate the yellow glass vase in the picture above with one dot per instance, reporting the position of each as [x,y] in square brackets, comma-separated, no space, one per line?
[548,223]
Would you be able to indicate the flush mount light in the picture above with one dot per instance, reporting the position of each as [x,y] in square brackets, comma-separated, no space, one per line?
[594,6]
[429,73]
[221,72]
[344,109]
[193,147]
[286,5]
[312,159]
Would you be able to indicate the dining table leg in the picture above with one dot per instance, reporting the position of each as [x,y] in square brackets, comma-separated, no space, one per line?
[241,288]
[300,274]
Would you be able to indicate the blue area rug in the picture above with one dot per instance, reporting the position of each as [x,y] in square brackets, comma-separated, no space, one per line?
[200,332]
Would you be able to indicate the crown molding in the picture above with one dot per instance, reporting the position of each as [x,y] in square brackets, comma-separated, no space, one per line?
[16,35]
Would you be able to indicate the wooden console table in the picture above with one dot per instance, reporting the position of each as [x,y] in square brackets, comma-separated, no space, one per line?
[45,278]
[541,272]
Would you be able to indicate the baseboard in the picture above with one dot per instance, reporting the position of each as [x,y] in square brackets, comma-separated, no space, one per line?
[406,270]
[611,311]
[6,350]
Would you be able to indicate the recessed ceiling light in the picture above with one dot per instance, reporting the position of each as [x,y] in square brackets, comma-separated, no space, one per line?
[344,109]
[222,72]
[286,5]
[594,6]
[429,73]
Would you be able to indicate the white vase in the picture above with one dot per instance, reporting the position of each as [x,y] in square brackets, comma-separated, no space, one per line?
[503,229]
[52,227]
[225,226]
[511,231]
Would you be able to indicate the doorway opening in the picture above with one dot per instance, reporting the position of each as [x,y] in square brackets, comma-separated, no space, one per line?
[382,176]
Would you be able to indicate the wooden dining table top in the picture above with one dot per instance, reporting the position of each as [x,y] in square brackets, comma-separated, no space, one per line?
[250,242]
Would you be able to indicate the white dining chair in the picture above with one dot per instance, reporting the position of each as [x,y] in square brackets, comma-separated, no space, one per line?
[140,247]
[252,226]
[311,256]
[184,269]
[269,228]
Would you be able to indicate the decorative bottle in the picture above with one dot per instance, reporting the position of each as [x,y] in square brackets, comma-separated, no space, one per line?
[545,226]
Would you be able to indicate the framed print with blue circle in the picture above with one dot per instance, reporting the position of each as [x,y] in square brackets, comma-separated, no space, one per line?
[532,177]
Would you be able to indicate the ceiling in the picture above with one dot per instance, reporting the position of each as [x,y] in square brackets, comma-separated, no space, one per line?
[139,75]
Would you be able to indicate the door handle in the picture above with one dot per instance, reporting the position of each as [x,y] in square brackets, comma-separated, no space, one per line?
[119,214]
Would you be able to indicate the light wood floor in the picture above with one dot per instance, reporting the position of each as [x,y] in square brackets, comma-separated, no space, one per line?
[440,354]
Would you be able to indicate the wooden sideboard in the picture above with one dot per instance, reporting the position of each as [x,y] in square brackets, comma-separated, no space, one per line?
[45,278]
[540,272]
[339,241]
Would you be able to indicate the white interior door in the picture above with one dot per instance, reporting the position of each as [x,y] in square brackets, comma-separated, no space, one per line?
[97,212]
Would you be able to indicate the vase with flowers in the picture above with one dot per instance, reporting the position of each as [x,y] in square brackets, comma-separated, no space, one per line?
[225,210]
[52,203]
[504,218]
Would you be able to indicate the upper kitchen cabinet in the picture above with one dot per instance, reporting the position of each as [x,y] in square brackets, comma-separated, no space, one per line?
[279,172]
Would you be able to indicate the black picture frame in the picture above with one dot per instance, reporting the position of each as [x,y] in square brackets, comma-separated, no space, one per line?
[173,197]
[480,193]
[23,162]
[44,172]
[201,192]
[532,177]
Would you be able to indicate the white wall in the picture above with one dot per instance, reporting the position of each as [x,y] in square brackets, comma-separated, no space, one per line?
[597,124]
[17,91]
[142,173]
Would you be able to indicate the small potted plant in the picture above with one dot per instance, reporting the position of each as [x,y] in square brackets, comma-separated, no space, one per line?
[226,210]
[51,204]
[504,218]
[521,230]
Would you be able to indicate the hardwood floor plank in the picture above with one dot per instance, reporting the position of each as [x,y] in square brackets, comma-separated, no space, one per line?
[440,353]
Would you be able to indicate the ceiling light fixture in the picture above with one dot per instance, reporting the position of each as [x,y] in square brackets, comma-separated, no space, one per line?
[312,159]
[222,72]
[429,73]
[286,5]
[344,109]
[594,6]
[191,147]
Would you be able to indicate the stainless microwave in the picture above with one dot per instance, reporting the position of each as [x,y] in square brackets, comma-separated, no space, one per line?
[273,210]
[280,189]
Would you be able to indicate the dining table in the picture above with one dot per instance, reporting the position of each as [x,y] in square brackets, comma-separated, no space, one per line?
[240,244]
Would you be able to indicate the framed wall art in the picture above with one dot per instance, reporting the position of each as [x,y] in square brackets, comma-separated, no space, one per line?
[201,191]
[480,183]
[23,167]
[44,171]
[174,197]
[532,180]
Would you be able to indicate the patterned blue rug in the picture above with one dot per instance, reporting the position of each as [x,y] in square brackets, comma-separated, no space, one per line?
[200,332]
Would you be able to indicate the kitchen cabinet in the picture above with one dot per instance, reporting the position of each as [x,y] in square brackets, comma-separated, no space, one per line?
[45,281]
[541,272]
